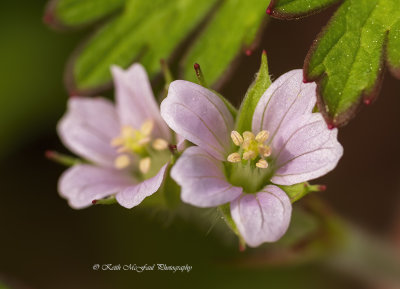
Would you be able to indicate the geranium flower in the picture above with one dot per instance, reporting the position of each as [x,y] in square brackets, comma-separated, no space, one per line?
[126,145]
[288,144]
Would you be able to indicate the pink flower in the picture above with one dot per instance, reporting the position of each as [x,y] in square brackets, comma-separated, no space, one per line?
[126,145]
[289,144]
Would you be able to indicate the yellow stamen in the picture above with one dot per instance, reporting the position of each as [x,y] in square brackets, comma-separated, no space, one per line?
[262,136]
[236,138]
[127,132]
[248,135]
[264,150]
[160,144]
[144,141]
[122,162]
[249,155]
[144,165]
[262,164]
[147,127]
[234,158]
[251,147]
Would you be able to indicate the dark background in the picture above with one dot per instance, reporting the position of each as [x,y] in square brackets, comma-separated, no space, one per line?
[46,244]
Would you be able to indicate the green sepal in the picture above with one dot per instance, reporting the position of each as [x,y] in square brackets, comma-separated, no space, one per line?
[171,191]
[298,191]
[225,211]
[253,95]
[62,159]
[106,201]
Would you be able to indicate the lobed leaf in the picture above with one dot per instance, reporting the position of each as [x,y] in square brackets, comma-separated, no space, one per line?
[148,31]
[347,59]
[74,13]
[143,31]
[234,26]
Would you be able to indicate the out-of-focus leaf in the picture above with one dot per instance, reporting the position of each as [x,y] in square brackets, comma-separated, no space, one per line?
[290,9]
[347,58]
[148,31]
[73,13]
[234,26]
[253,95]
[32,60]
[142,31]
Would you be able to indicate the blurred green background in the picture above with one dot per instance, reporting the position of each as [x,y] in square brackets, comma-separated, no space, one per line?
[46,244]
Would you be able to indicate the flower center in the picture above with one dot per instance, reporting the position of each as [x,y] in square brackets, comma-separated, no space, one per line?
[251,148]
[131,143]
[248,166]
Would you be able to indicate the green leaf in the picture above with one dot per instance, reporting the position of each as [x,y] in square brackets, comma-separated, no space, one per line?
[235,25]
[347,59]
[393,49]
[143,31]
[147,31]
[293,9]
[253,95]
[75,13]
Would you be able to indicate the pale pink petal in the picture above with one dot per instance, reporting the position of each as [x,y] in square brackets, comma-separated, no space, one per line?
[305,149]
[81,184]
[198,115]
[181,143]
[88,128]
[262,217]
[134,195]
[135,99]
[202,180]
[285,100]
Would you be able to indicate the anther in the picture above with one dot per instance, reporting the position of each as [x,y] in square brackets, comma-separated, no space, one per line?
[234,158]
[264,150]
[144,165]
[248,135]
[147,127]
[262,136]
[122,162]
[236,138]
[160,144]
[249,155]
[262,164]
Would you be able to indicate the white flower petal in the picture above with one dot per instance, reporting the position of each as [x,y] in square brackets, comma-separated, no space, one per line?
[202,179]
[134,195]
[81,184]
[198,115]
[262,217]
[306,149]
[88,128]
[135,99]
[287,98]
